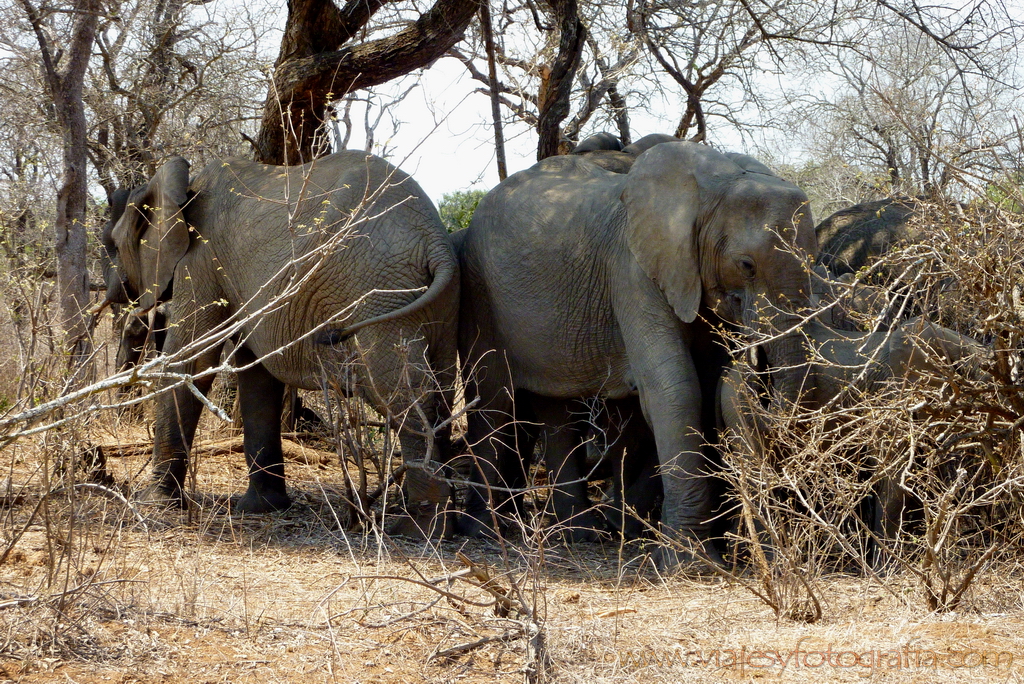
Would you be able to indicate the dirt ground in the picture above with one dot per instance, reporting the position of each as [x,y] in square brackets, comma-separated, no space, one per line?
[95,590]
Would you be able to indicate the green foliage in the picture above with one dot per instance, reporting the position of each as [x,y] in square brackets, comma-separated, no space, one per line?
[456,208]
[1007,192]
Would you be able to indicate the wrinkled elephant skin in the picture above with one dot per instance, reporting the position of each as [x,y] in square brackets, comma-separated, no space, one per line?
[580,282]
[335,273]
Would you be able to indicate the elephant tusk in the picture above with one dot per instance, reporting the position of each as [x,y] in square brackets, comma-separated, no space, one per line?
[99,307]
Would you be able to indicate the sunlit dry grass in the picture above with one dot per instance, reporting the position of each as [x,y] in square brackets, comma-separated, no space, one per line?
[291,597]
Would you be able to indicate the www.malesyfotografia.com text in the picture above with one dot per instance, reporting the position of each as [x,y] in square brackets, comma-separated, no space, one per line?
[867,660]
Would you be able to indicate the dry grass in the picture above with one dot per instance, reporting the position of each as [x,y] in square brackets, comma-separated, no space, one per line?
[95,587]
[292,598]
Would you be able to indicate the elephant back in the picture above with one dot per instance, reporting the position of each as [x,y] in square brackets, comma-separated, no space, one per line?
[352,236]
[851,238]
[556,195]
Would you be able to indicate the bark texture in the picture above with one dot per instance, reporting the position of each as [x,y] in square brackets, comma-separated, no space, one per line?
[556,83]
[315,66]
[64,73]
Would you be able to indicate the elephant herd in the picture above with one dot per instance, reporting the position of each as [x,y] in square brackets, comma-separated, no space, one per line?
[605,275]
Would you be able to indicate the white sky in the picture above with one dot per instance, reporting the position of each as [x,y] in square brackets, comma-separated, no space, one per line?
[445,136]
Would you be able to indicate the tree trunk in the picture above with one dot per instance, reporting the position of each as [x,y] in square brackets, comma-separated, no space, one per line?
[70,236]
[553,98]
[492,77]
[313,69]
[65,89]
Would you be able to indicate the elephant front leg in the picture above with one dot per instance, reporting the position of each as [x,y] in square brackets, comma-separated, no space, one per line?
[671,397]
[687,507]
[177,415]
[260,397]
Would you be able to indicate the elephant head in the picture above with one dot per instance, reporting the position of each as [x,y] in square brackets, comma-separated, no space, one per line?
[146,236]
[726,232]
[108,257]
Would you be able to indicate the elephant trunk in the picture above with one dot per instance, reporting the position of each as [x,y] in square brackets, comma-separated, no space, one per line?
[788,358]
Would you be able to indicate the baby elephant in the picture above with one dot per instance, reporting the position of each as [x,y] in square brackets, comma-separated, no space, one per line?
[917,351]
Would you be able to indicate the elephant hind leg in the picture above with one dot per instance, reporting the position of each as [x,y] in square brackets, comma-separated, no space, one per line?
[641,492]
[260,397]
[564,458]
[411,384]
[500,442]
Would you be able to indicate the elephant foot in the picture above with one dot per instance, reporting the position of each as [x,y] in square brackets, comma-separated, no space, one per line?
[426,513]
[255,502]
[424,484]
[426,522]
[160,494]
[584,527]
[476,525]
[700,559]
[635,528]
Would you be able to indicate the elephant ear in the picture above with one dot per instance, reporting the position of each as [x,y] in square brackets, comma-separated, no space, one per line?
[663,199]
[152,235]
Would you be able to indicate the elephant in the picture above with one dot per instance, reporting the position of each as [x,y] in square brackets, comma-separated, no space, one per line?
[135,339]
[852,238]
[624,450]
[599,141]
[138,338]
[141,337]
[608,152]
[844,303]
[580,441]
[581,282]
[338,271]
[916,351]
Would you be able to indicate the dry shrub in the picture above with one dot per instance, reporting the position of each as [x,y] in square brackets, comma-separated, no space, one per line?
[941,448]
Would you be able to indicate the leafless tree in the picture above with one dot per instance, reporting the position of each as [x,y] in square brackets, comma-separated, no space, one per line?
[376,108]
[557,66]
[173,77]
[65,38]
[321,60]
[906,118]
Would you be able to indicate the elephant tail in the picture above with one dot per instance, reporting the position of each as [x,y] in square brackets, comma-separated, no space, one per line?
[445,268]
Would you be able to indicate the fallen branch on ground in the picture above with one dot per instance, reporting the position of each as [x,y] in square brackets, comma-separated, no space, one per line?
[293,451]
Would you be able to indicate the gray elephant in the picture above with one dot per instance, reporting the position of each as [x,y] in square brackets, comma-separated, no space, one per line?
[135,339]
[580,441]
[846,303]
[852,238]
[608,152]
[581,282]
[916,351]
[335,272]
[599,141]
[622,448]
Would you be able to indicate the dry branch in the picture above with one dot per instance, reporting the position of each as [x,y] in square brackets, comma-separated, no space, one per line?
[293,451]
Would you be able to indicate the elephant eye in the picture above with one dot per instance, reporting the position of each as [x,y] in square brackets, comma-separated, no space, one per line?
[747,266]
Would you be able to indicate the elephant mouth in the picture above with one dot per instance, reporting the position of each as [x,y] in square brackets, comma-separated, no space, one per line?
[116,294]
[100,307]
